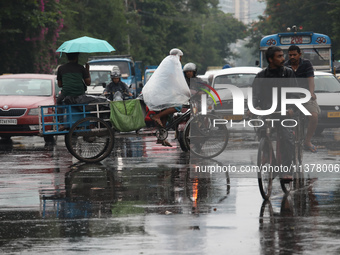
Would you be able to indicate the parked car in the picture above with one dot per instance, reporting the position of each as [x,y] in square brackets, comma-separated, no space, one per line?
[241,77]
[20,98]
[327,91]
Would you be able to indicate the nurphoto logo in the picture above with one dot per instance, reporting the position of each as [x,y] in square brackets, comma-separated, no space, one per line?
[280,99]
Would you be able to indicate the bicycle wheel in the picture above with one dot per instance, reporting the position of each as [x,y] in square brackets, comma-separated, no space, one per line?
[182,142]
[264,174]
[90,139]
[266,213]
[301,129]
[287,185]
[203,138]
[298,180]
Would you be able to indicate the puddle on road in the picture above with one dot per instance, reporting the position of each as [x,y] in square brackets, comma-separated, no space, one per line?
[145,199]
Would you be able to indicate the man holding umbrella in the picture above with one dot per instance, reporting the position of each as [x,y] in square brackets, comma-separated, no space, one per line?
[73,79]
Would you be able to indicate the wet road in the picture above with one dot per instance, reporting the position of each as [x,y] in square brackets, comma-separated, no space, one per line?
[148,199]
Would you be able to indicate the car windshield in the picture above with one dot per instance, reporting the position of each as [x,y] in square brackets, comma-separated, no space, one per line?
[25,87]
[99,77]
[123,65]
[240,80]
[326,84]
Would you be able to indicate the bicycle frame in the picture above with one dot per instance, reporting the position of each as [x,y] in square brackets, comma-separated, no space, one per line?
[274,158]
[162,132]
[277,152]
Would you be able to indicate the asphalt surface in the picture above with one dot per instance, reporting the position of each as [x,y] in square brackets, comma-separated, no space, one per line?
[149,199]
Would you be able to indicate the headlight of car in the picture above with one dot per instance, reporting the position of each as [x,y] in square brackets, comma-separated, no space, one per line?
[210,103]
[35,111]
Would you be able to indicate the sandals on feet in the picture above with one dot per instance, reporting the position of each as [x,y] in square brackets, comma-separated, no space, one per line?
[311,148]
[166,143]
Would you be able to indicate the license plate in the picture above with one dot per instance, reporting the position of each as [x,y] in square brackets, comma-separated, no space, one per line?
[233,117]
[333,114]
[8,121]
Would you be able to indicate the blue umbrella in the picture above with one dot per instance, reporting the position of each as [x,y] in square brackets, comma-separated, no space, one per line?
[85,44]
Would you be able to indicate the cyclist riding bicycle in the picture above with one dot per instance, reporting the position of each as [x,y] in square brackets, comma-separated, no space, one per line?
[166,90]
[276,76]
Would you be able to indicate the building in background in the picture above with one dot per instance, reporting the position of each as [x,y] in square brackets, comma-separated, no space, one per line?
[243,10]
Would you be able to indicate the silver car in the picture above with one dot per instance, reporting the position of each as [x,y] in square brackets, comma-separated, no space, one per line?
[327,91]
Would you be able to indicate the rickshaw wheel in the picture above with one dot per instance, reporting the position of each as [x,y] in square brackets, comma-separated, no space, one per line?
[90,139]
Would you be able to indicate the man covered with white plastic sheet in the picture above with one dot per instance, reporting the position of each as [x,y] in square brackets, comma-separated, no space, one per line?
[167,90]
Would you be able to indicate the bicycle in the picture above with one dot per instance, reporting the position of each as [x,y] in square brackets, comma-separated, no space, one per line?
[200,135]
[269,159]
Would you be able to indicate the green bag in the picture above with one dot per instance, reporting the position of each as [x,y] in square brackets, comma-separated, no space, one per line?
[127,115]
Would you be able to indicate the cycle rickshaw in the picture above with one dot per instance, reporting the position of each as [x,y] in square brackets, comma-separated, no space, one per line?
[90,129]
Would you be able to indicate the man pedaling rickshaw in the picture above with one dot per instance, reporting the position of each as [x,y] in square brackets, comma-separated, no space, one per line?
[167,90]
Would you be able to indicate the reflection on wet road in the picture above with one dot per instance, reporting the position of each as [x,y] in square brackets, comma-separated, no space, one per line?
[148,199]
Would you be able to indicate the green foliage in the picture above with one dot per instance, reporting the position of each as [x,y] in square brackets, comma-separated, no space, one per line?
[101,19]
[28,35]
[31,30]
[203,32]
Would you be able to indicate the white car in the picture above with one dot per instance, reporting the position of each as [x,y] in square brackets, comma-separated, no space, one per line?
[327,91]
[100,77]
[242,77]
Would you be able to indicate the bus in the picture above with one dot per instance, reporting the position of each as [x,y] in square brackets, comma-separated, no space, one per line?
[314,46]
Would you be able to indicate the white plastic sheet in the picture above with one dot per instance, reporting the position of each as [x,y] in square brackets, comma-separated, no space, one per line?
[167,86]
